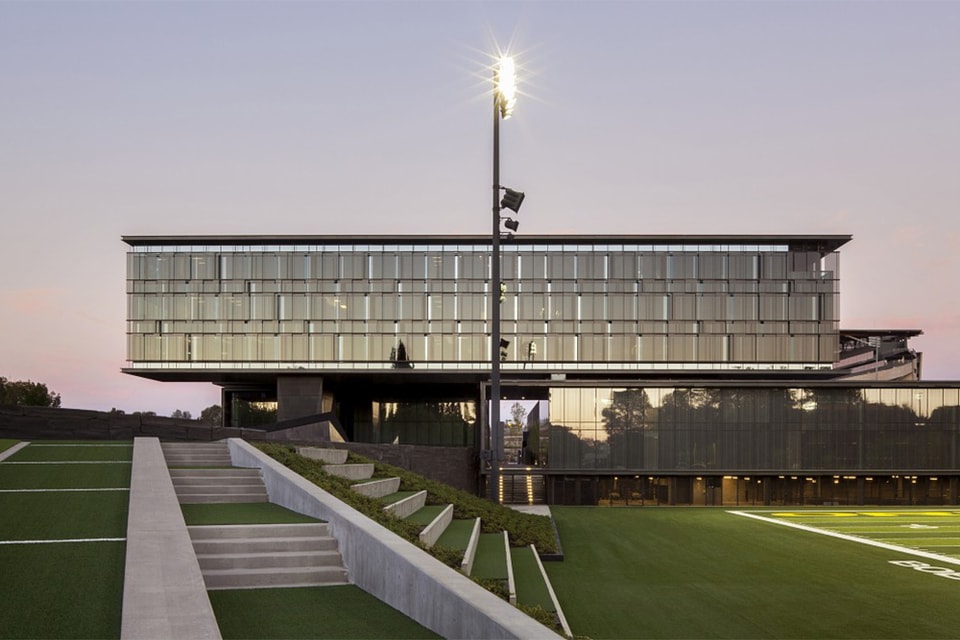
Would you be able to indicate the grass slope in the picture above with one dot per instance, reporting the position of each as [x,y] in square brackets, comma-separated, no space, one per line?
[310,612]
[697,573]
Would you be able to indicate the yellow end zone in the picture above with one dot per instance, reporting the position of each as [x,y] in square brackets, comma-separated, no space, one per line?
[873,514]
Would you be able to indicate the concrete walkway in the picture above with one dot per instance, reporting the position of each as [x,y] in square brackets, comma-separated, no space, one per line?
[164,595]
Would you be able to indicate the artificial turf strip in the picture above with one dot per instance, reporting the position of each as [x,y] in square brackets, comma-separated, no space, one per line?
[396,497]
[63,476]
[697,573]
[62,590]
[58,453]
[491,559]
[531,588]
[241,513]
[426,514]
[456,535]
[63,516]
[7,443]
[310,612]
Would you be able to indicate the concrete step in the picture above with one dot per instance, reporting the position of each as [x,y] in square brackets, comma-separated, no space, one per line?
[350,471]
[195,446]
[249,531]
[406,506]
[287,577]
[267,555]
[263,545]
[231,472]
[377,488]
[225,488]
[327,456]
[214,498]
[270,560]
[194,483]
[432,532]
[198,461]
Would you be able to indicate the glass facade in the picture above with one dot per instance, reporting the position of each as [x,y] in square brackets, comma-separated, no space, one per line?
[742,429]
[567,304]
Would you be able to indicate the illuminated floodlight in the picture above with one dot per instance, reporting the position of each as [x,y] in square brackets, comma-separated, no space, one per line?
[505,86]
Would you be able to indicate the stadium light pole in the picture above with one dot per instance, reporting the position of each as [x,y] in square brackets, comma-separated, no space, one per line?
[504,100]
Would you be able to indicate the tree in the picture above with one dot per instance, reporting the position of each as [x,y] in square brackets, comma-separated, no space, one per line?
[519,415]
[212,415]
[27,394]
[627,412]
[181,415]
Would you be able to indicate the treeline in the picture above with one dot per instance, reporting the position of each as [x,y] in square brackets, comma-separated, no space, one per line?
[26,393]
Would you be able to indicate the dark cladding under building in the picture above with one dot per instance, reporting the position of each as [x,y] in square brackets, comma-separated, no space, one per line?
[636,369]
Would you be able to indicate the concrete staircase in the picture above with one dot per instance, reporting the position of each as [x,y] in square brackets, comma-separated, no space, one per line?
[267,555]
[248,556]
[196,454]
[218,485]
[202,472]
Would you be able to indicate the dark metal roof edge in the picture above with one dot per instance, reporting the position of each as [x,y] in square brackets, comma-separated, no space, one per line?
[832,240]
[861,333]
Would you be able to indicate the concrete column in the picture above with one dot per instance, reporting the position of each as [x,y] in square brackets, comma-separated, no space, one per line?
[299,396]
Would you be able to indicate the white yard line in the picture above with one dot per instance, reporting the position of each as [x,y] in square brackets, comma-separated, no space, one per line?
[62,490]
[62,541]
[73,462]
[849,538]
[66,444]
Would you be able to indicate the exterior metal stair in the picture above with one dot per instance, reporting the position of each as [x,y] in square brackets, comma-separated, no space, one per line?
[267,555]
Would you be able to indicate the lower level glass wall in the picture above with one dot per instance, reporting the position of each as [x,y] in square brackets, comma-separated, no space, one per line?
[752,445]
[749,491]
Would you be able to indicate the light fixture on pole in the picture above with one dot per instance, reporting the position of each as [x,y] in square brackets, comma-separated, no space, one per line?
[504,101]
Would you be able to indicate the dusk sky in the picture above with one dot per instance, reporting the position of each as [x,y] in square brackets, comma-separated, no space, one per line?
[174,118]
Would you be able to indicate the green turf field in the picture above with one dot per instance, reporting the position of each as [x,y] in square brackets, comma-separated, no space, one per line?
[710,573]
[63,521]
[6,443]
[47,452]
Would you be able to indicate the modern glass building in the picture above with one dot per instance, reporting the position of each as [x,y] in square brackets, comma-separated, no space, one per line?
[726,348]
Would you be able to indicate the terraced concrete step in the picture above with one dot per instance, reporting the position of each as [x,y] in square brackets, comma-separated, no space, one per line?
[269,560]
[406,506]
[377,488]
[263,545]
[251,531]
[350,471]
[327,456]
[288,577]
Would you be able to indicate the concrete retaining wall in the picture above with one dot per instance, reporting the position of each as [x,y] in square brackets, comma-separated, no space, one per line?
[390,568]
